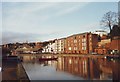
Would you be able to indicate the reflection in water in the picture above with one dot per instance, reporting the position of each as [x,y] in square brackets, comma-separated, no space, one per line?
[71,68]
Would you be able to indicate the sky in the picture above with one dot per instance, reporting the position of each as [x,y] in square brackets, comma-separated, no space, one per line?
[43,21]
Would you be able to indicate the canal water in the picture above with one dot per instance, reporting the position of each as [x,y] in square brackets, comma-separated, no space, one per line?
[72,68]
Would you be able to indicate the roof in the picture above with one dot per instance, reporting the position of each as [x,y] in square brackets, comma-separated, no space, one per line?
[79,34]
[27,49]
[100,31]
[61,38]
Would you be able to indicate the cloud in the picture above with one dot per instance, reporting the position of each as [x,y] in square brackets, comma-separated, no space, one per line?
[70,9]
[11,37]
[26,11]
[89,27]
[24,17]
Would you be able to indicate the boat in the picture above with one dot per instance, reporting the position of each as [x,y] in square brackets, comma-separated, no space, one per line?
[47,59]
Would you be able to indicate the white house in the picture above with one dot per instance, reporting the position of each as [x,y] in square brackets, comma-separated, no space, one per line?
[49,48]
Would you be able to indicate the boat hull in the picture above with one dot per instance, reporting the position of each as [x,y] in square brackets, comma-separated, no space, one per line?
[47,59]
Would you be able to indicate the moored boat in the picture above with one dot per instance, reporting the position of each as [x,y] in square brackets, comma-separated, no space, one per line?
[47,59]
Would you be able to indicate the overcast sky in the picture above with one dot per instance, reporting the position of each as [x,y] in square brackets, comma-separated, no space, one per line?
[42,21]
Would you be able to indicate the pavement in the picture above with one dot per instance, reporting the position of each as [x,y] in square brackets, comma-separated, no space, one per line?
[13,70]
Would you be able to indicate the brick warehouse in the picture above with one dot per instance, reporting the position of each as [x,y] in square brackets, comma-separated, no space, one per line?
[83,43]
[110,46]
[115,43]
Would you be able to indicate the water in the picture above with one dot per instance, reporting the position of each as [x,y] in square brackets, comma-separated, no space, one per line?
[72,68]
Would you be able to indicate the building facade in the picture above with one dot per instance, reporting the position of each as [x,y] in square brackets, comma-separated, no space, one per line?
[110,45]
[115,43]
[103,47]
[100,32]
[81,43]
[93,40]
[60,45]
[49,48]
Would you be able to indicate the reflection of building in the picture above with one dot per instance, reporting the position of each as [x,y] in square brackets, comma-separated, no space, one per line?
[74,65]
[28,58]
[77,66]
[89,68]
[81,43]
[94,69]
[116,71]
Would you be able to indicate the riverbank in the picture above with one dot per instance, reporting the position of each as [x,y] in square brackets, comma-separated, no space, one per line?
[12,69]
[77,55]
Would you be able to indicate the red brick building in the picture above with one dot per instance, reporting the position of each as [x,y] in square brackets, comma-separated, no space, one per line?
[115,42]
[103,47]
[83,43]
[110,46]
[38,45]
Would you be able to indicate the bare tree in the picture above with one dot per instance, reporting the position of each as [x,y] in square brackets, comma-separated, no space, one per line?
[109,19]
